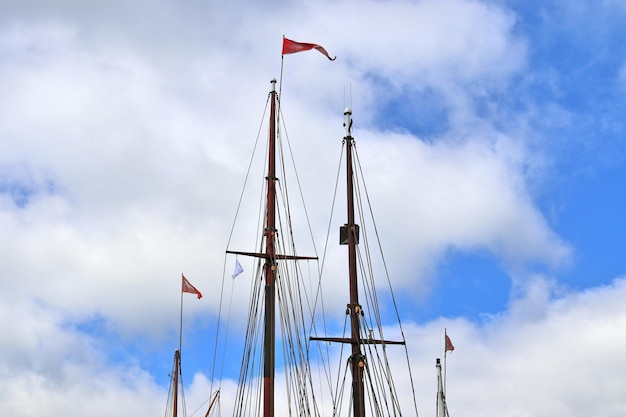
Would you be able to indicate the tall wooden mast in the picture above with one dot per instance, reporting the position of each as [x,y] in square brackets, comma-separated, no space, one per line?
[270,267]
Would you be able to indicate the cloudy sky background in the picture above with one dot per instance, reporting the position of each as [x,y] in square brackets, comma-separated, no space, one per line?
[492,138]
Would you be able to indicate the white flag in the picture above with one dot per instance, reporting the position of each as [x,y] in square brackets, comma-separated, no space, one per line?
[238,268]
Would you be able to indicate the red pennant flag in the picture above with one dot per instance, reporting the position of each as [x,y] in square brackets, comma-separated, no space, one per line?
[187,287]
[449,345]
[291,47]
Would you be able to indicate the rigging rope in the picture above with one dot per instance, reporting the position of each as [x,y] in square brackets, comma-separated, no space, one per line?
[390,287]
[232,229]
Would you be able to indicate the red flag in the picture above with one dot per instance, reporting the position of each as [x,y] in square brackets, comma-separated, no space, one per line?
[291,47]
[449,345]
[187,287]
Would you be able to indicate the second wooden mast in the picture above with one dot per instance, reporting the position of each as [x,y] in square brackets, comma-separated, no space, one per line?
[351,231]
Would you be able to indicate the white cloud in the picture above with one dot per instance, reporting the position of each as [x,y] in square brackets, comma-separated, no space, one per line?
[551,353]
[139,161]
[51,369]
[465,194]
[131,163]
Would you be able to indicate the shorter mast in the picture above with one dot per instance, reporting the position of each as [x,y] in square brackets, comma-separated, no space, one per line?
[442,407]
[349,235]
[216,397]
[171,409]
[176,371]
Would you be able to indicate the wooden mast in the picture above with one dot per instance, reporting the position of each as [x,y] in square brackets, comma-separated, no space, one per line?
[349,235]
[216,396]
[176,371]
[442,407]
[270,268]
[357,360]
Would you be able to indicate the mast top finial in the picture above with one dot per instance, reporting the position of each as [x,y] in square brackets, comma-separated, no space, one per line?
[348,121]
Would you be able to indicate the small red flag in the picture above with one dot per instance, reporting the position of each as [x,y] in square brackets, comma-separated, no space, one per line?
[291,47]
[187,287]
[449,345]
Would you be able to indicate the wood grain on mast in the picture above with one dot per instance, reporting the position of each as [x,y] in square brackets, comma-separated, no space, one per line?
[269,331]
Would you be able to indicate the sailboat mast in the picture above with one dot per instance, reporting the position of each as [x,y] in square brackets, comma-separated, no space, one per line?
[176,371]
[270,267]
[442,408]
[357,360]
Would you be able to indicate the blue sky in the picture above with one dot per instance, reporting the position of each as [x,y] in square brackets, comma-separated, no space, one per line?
[491,133]
[575,65]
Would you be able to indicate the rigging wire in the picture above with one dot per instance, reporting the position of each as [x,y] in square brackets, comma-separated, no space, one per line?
[219,320]
[293,326]
[390,287]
